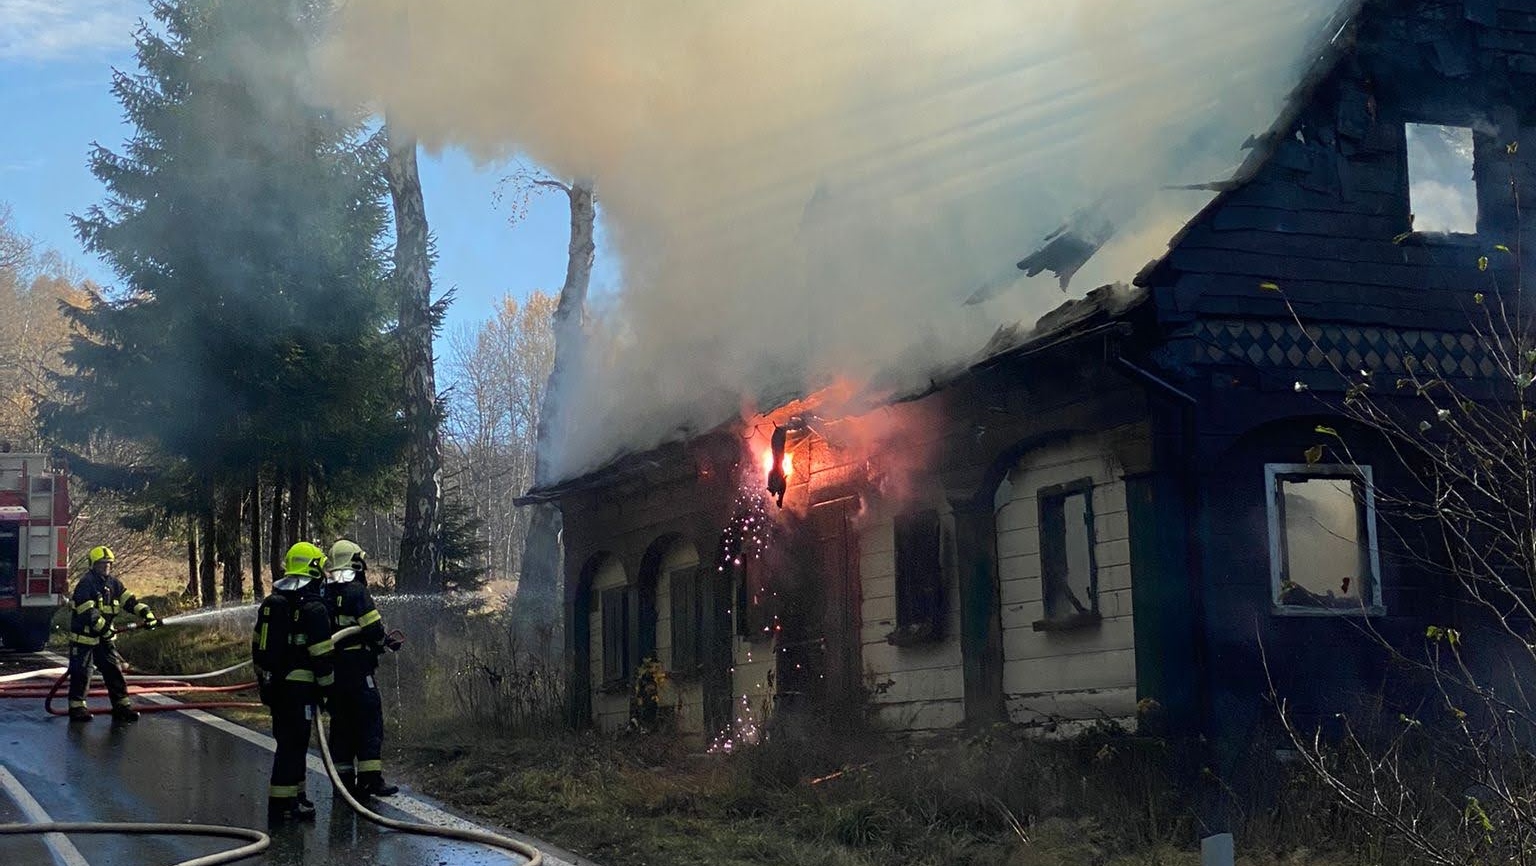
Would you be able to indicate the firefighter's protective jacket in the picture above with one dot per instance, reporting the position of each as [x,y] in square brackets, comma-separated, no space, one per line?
[351,604]
[309,668]
[97,601]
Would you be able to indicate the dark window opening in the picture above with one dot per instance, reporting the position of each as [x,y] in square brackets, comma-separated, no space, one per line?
[1069,580]
[1322,537]
[616,662]
[686,589]
[919,578]
[1442,183]
[756,606]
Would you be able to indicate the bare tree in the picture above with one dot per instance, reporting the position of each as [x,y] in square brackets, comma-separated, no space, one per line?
[500,370]
[537,604]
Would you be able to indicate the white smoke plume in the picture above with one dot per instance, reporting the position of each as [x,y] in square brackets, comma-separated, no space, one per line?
[806,190]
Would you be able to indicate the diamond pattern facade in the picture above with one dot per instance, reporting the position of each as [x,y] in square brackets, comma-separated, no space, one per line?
[1286,345]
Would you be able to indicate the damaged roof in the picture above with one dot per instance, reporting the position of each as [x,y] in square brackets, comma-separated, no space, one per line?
[1076,241]
[1102,307]
[1063,252]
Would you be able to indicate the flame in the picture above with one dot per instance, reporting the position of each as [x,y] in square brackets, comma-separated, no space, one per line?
[788,464]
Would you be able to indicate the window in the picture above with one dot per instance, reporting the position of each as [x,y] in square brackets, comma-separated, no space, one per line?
[919,578]
[1442,187]
[756,605]
[1069,581]
[1322,538]
[615,605]
[687,597]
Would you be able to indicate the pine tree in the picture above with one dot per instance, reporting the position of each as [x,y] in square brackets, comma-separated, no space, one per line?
[246,223]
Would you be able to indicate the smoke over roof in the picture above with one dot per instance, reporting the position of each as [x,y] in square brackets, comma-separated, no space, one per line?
[800,191]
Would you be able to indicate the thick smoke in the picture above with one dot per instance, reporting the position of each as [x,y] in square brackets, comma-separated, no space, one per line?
[802,190]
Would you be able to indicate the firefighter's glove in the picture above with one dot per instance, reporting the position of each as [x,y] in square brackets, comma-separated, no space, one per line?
[151,621]
[394,641]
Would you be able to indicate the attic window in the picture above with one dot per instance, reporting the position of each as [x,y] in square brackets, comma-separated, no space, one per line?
[1442,185]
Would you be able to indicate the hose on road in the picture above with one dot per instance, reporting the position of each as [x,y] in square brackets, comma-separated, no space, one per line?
[533,856]
[255,840]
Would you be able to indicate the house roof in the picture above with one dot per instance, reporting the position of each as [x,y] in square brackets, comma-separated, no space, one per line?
[1101,308]
[1075,242]
[1063,252]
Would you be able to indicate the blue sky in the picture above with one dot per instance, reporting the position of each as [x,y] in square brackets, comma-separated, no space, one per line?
[56,60]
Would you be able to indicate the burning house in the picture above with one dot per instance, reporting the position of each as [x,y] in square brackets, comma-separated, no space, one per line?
[1104,515]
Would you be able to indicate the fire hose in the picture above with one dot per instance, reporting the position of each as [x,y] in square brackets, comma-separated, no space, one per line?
[256,841]
[483,837]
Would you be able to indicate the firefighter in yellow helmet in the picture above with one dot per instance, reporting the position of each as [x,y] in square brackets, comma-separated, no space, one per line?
[292,654]
[99,597]
[357,713]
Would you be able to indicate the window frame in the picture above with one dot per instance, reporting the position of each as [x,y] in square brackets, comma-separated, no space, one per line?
[1478,156]
[1055,496]
[1274,474]
[914,625]
[625,665]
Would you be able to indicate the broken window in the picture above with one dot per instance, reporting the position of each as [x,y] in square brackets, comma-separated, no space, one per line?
[686,588]
[1442,186]
[615,606]
[919,577]
[1069,582]
[1322,537]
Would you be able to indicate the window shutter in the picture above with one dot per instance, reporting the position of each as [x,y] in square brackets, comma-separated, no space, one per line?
[685,621]
[615,634]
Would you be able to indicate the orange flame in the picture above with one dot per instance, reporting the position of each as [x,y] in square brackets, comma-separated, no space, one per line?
[788,464]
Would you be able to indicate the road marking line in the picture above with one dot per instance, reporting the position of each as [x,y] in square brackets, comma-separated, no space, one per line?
[64,851]
[403,802]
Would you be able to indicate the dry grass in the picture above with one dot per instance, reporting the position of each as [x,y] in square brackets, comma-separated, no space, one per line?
[996,800]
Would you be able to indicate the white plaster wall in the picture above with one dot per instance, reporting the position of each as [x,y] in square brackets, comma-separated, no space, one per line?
[1079,675]
[610,712]
[918,687]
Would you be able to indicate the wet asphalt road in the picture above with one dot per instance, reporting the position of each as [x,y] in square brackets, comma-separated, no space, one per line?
[170,767]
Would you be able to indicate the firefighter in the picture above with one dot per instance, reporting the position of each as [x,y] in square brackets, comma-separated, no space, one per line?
[99,598]
[357,713]
[293,656]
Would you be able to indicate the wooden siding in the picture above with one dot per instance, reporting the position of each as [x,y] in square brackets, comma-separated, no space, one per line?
[918,687]
[1086,673]
[610,711]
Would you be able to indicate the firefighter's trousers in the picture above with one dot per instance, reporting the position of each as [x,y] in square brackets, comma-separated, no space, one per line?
[292,713]
[103,655]
[357,720]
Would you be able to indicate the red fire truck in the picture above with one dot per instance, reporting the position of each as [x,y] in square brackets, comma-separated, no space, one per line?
[34,547]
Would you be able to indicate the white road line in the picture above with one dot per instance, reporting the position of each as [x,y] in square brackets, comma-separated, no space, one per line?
[64,851]
[404,802]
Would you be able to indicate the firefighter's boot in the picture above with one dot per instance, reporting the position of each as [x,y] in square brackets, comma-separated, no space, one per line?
[124,713]
[349,781]
[373,785]
[79,714]
[283,809]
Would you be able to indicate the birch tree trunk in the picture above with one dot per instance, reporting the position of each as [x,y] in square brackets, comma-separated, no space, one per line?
[539,597]
[257,590]
[424,458]
[275,528]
